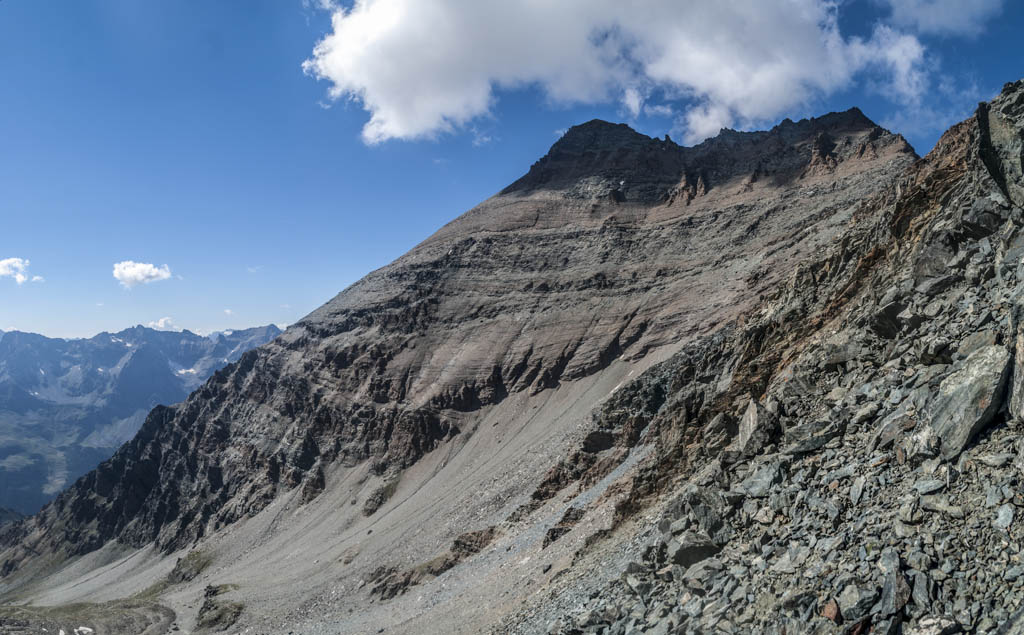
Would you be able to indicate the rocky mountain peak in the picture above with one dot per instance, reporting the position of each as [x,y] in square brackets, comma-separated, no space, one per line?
[798,348]
[598,135]
[599,159]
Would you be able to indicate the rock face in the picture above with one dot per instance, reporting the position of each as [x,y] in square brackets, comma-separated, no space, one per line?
[969,398]
[900,341]
[807,424]
[67,405]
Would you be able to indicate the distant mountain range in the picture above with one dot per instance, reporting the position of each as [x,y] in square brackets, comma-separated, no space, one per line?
[67,405]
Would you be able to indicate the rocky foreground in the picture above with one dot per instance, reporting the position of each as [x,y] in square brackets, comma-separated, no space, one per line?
[771,383]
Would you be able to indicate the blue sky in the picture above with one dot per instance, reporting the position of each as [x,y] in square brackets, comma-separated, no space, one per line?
[190,135]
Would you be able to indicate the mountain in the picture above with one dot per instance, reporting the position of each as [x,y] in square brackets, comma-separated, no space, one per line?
[767,383]
[8,516]
[67,405]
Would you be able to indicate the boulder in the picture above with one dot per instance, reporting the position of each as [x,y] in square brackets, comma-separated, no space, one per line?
[895,591]
[758,484]
[975,341]
[855,601]
[757,429]
[885,323]
[968,399]
[1017,384]
[809,437]
[934,286]
[935,626]
[690,548]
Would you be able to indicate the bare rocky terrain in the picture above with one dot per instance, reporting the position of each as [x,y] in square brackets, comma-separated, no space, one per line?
[768,383]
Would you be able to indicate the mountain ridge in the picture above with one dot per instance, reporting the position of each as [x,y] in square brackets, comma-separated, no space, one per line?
[66,404]
[525,381]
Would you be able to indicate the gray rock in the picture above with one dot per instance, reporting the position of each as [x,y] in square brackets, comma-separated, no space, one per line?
[708,508]
[700,576]
[995,460]
[993,495]
[855,602]
[758,484]
[892,428]
[757,428]
[690,548]
[866,413]
[1004,517]
[910,319]
[809,437]
[921,593]
[1017,383]
[857,489]
[1013,573]
[885,323]
[941,505]
[792,560]
[936,285]
[976,341]
[929,486]
[895,595]
[968,399]
[934,626]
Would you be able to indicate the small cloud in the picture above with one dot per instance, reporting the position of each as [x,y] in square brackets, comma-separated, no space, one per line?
[944,17]
[16,268]
[323,5]
[254,268]
[163,324]
[561,132]
[38,279]
[480,138]
[286,306]
[228,312]
[99,304]
[130,273]
[440,161]
[659,110]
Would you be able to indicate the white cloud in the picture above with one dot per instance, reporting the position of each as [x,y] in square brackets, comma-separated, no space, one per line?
[659,110]
[38,279]
[228,312]
[480,138]
[902,54]
[254,268]
[944,17]
[424,68]
[131,274]
[633,101]
[323,5]
[16,268]
[164,324]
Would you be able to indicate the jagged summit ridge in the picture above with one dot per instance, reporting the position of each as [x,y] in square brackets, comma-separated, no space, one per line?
[636,168]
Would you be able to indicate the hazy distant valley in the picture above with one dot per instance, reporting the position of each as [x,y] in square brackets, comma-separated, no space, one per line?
[67,405]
